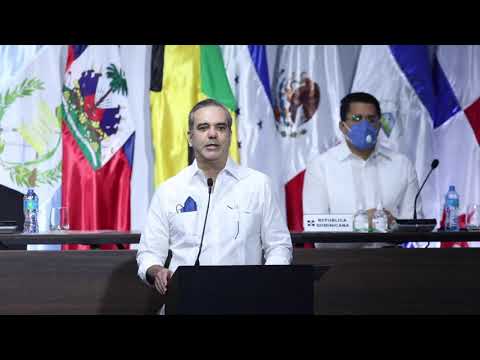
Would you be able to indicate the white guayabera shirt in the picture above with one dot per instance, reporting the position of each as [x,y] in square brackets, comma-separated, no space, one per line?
[244,220]
[339,182]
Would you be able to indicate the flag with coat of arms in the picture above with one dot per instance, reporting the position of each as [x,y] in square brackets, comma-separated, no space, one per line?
[283,126]
[30,135]
[98,140]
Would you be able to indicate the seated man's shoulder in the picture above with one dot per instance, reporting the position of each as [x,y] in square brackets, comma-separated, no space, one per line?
[395,155]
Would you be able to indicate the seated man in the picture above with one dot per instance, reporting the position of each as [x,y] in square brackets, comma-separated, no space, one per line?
[358,173]
[244,219]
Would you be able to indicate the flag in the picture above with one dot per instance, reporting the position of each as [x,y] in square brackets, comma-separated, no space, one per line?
[258,139]
[30,138]
[181,76]
[135,60]
[430,102]
[456,71]
[98,140]
[400,77]
[307,89]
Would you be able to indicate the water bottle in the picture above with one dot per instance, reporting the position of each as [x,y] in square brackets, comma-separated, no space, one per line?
[380,220]
[360,221]
[452,203]
[30,210]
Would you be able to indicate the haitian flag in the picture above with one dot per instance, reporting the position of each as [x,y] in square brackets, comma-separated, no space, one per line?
[98,140]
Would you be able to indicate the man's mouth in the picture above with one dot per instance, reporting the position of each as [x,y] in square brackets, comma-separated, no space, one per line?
[212,146]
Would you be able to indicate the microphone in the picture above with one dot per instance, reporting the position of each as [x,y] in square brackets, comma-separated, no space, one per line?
[432,167]
[420,225]
[210,184]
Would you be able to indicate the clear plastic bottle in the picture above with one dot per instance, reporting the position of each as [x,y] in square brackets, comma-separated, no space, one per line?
[452,203]
[360,221]
[30,210]
[380,220]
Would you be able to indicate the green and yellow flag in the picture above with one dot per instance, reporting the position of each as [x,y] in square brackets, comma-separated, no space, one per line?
[183,75]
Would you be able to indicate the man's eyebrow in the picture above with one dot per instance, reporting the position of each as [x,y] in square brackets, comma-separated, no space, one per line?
[223,123]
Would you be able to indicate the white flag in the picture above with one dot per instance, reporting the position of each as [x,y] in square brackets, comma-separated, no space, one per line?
[457,126]
[259,141]
[136,62]
[407,123]
[30,140]
[307,89]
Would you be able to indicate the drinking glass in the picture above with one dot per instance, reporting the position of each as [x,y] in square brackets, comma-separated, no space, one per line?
[59,219]
[473,217]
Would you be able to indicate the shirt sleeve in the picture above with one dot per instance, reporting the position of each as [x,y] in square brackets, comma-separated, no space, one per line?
[154,242]
[276,240]
[315,194]
[406,206]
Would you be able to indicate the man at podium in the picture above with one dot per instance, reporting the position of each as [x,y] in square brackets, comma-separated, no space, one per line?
[360,174]
[214,212]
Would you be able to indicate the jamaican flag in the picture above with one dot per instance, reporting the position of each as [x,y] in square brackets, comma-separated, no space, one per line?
[181,76]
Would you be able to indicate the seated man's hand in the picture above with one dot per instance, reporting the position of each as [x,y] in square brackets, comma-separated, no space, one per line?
[160,276]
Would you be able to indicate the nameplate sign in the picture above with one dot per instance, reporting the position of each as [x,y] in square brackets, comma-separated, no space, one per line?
[328,222]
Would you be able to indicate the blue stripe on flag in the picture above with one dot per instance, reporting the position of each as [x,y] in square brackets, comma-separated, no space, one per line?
[447,102]
[78,50]
[429,82]
[259,59]
[128,148]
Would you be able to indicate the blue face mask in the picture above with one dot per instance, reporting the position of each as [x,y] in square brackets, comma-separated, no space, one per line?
[362,135]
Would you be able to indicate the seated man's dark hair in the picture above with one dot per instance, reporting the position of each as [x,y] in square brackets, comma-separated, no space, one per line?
[360,97]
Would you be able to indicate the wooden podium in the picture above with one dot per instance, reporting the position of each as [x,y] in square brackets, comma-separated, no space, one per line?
[242,289]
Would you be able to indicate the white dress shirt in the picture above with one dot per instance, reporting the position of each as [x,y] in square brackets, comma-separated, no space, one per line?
[243,219]
[340,182]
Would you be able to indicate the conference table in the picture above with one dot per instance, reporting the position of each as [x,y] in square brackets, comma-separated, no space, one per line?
[388,280]
[393,238]
[100,237]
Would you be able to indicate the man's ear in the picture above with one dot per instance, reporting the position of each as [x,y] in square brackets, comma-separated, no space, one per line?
[189,138]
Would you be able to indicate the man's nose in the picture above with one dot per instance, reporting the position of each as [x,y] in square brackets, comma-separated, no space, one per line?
[212,132]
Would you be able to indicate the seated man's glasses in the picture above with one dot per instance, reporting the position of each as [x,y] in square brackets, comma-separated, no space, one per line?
[374,119]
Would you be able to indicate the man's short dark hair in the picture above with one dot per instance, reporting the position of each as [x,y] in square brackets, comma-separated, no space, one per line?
[359,97]
[205,103]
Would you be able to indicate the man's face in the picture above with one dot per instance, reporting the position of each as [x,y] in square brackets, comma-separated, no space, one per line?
[210,135]
[359,111]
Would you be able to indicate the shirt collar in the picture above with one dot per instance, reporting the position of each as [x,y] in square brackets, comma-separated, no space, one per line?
[344,152]
[231,168]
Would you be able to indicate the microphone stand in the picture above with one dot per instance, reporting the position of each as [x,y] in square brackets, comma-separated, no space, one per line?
[210,184]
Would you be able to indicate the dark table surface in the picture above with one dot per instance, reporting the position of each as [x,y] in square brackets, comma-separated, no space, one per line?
[72,237]
[392,237]
[133,237]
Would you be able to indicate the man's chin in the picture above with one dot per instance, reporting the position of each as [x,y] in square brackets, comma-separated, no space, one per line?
[213,157]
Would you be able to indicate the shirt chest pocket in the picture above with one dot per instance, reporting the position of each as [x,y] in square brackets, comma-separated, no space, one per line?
[250,223]
[242,224]
[183,227]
